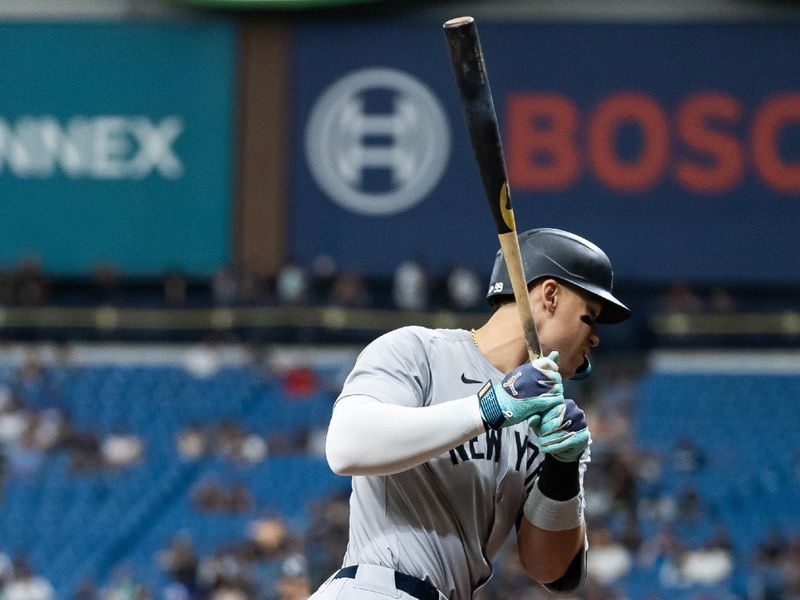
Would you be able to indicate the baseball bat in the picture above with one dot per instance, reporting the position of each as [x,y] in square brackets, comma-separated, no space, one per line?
[476,99]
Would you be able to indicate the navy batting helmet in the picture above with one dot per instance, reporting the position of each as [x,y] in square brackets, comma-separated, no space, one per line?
[566,257]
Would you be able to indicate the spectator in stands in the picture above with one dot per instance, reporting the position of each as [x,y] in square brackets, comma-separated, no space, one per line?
[225,590]
[228,439]
[707,565]
[772,547]
[239,499]
[224,576]
[720,538]
[105,284]
[86,590]
[270,536]
[653,501]
[323,274]
[32,285]
[212,495]
[327,535]
[631,534]
[791,568]
[622,479]
[608,560]
[293,582]
[681,298]
[350,290]
[203,360]
[179,560]
[663,546]
[25,585]
[253,449]
[13,419]
[281,443]
[232,442]
[192,442]
[49,428]
[720,301]
[84,451]
[31,372]
[225,287]
[209,495]
[410,286]
[315,442]
[292,284]
[121,449]
[671,572]
[769,570]
[710,564]
[300,382]
[767,582]
[123,586]
[253,290]
[464,289]
[25,457]
[175,289]
[210,570]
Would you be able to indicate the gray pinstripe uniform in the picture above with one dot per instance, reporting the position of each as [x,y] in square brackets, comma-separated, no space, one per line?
[443,520]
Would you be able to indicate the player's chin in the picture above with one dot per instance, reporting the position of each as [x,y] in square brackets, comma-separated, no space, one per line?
[573,366]
[568,373]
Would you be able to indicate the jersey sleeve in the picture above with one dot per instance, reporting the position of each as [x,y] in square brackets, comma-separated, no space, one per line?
[394,368]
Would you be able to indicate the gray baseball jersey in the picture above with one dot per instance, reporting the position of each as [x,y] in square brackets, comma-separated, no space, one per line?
[446,519]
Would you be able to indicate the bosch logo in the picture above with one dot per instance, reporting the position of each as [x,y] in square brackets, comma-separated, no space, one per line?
[377,141]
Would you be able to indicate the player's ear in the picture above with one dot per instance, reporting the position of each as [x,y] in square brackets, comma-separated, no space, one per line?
[550,294]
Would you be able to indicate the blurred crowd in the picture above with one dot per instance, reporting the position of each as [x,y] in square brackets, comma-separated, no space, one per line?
[412,287]
[35,424]
[275,559]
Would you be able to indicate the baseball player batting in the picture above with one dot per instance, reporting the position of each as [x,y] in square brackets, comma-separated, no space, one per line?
[454,438]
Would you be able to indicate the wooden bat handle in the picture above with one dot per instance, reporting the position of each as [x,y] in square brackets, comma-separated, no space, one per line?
[510,246]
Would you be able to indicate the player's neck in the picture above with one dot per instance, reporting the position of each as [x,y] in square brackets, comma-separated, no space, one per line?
[501,340]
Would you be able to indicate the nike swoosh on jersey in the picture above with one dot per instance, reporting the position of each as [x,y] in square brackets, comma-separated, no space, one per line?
[466,379]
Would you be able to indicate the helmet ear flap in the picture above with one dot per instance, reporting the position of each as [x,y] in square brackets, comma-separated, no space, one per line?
[583,371]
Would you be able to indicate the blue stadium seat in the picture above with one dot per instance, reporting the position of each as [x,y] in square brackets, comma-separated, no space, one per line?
[749,480]
[77,525]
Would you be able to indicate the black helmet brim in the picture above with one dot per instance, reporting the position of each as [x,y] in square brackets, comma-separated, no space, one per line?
[612,310]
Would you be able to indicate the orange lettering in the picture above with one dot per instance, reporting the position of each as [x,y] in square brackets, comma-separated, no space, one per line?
[727,167]
[776,112]
[643,172]
[542,154]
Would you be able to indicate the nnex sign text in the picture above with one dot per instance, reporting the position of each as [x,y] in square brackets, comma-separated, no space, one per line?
[106,147]
[550,144]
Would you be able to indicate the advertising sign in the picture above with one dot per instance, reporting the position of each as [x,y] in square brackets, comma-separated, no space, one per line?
[115,145]
[674,147]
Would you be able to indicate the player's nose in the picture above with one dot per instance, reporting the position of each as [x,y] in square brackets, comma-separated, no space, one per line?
[594,340]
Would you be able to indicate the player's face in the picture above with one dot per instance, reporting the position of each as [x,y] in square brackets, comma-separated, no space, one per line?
[572,331]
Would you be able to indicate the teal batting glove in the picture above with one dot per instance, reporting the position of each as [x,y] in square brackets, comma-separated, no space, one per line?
[562,431]
[534,388]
